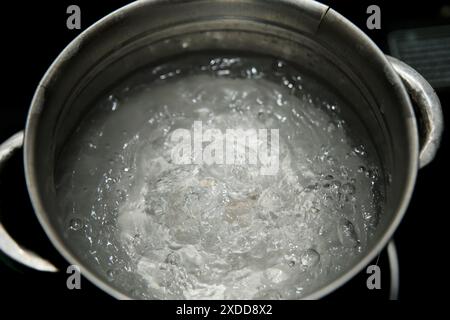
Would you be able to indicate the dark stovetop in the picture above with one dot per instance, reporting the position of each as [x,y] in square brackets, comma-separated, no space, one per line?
[31,48]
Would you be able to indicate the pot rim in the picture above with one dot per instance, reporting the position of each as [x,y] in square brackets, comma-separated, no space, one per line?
[37,105]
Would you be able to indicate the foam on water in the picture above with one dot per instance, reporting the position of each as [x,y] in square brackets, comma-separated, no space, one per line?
[156,229]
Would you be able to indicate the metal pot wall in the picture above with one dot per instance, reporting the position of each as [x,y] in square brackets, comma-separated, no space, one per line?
[304,32]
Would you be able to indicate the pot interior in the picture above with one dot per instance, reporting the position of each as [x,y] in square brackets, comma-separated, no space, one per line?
[132,43]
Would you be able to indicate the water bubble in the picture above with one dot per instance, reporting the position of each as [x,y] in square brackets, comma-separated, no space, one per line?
[122,195]
[312,187]
[75,224]
[113,102]
[348,189]
[344,171]
[360,151]
[149,210]
[221,73]
[278,67]
[315,210]
[332,107]
[389,179]
[173,258]
[110,275]
[336,184]
[192,197]
[347,234]
[373,173]
[137,239]
[331,127]
[262,116]
[331,160]
[275,275]
[280,101]
[252,72]
[370,217]
[310,258]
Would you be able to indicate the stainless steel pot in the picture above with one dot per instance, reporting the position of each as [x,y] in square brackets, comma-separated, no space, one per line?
[304,32]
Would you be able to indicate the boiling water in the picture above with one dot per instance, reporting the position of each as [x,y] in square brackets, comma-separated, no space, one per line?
[157,229]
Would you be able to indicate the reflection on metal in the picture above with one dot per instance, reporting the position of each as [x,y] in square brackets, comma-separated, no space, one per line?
[394,269]
[7,244]
[429,107]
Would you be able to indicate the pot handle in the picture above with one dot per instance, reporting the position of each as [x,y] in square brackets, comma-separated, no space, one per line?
[428,106]
[7,244]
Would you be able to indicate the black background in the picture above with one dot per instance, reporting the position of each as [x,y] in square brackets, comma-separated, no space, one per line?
[34,33]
